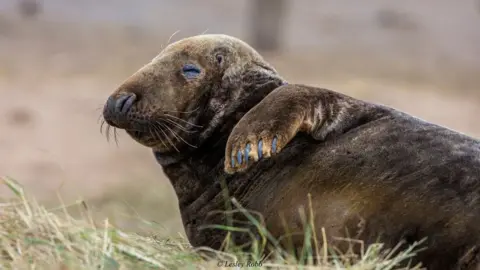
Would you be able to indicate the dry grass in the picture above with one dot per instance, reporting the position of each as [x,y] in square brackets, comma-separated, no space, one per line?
[34,237]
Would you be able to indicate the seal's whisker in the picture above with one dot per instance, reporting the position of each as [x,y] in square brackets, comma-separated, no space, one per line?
[155,133]
[178,136]
[168,41]
[100,116]
[178,125]
[175,135]
[101,126]
[168,138]
[181,120]
[170,38]
[108,133]
[115,136]
[169,129]
[153,130]
[182,111]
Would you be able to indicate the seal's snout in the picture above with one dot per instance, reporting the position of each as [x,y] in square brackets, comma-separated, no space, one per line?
[117,107]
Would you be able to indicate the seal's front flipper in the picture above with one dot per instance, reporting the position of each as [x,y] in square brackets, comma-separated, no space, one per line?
[249,147]
[264,130]
[273,122]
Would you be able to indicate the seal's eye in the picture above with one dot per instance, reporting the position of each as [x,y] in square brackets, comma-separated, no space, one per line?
[190,71]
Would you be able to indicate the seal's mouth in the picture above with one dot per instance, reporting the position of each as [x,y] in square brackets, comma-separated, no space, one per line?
[163,131]
[164,134]
[160,135]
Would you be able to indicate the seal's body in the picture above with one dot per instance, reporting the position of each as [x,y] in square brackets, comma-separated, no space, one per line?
[215,114]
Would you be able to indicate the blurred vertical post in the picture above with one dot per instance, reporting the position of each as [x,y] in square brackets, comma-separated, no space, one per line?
[266,23]
[29,8]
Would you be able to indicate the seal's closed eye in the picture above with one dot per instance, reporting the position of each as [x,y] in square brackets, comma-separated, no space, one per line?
[190,71]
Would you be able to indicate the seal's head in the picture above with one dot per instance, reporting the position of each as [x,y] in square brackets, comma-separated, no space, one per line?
[194,87]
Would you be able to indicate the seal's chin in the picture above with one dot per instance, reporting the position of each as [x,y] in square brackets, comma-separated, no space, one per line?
[152,139]
[145,138]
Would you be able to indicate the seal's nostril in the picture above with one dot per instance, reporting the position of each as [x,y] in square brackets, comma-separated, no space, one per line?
[128,103]
[124,103]
[117,107]
[119,103]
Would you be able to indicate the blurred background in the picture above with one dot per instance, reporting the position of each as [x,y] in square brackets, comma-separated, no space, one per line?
[60,59]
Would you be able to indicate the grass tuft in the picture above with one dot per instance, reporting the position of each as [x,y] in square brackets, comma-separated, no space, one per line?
[34,237]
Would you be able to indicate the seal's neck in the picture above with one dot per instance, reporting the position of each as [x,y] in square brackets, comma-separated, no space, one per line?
[198,173]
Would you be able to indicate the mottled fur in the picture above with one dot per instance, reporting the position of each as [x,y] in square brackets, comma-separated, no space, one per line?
[374,173]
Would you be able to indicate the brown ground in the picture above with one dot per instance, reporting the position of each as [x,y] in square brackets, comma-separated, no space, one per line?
[54,80]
